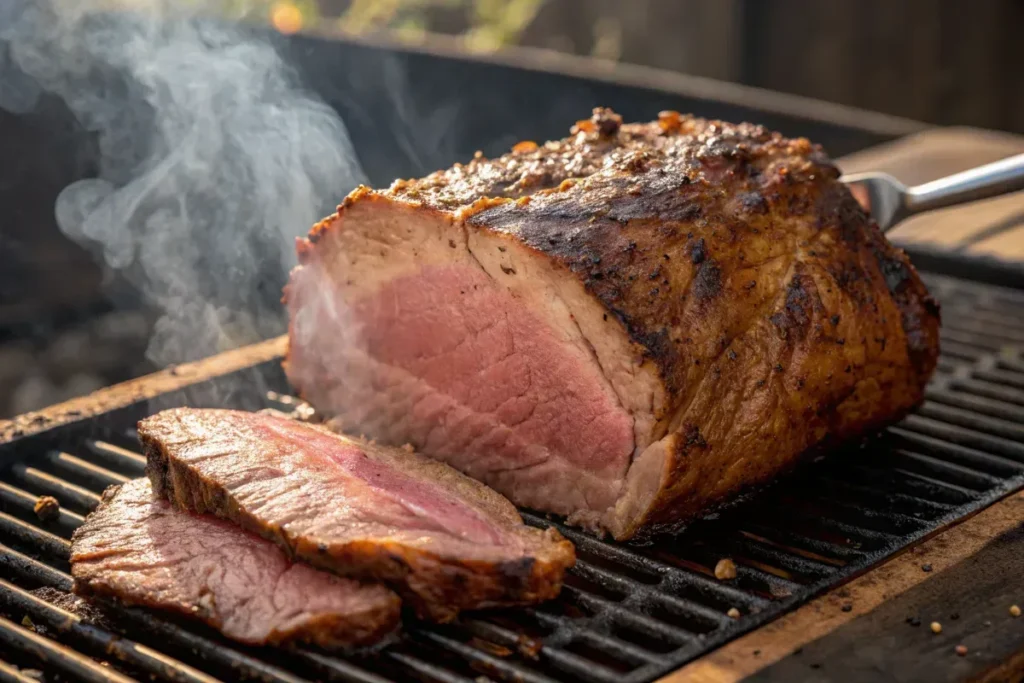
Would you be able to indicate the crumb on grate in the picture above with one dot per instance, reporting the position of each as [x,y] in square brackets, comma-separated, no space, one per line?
[725,569]
[47,508]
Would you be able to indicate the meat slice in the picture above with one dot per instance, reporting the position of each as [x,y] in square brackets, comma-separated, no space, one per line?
[444,541]
[138,548]
[627,327]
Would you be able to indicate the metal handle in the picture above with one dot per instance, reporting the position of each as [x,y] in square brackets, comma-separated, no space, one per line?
[990,180]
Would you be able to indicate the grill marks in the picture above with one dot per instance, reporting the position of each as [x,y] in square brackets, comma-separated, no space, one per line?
[443,541]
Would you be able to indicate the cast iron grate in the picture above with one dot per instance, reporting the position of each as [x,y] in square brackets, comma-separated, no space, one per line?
[627,613]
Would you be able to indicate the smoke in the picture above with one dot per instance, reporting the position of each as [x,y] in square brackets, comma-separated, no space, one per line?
[211,158]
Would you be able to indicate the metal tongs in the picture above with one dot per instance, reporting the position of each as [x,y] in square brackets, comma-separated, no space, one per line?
[889,201]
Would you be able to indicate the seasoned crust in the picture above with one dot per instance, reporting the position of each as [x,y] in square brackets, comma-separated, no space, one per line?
[684,224]
[771,307]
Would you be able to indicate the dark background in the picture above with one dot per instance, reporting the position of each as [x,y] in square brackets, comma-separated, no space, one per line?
[68,326]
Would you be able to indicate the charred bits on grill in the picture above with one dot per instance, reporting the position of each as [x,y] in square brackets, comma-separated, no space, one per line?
[47,508]
[725,570]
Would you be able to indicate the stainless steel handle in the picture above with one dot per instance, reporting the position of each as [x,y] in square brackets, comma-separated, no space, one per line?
[983,182]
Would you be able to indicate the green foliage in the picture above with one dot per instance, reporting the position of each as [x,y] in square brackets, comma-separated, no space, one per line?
[499,22]
[490,23]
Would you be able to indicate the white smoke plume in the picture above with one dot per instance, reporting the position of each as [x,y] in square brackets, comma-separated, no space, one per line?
[212,158]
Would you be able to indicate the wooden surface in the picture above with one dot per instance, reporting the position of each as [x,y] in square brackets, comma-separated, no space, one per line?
[143,388]
[977,572]
[942,61]
[994,227]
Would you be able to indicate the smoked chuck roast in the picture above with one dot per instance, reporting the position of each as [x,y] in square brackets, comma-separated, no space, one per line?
[443,541]
[139,549]
[627,327]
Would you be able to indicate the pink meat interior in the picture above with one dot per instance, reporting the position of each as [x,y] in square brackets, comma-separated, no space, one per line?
[420,503]
[480,348]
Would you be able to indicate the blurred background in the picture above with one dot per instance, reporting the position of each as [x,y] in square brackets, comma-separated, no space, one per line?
[70,322]
[940,61]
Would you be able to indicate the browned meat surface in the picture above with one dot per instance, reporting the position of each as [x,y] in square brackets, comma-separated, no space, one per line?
[444,541]
[139,549]
[628,326]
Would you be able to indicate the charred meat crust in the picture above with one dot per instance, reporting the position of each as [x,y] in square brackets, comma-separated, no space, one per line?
[658,245]
[735,260]
[372,627]
[437,588]
[654,219]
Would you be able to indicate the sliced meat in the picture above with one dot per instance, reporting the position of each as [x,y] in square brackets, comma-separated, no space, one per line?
[139,549]
[444,541]
[627,327]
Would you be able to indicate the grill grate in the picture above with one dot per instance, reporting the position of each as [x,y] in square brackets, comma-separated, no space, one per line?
[627,613]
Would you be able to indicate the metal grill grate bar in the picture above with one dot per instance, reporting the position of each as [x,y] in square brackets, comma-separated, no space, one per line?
[949,488]
[116,458]
[31,479]
[616,648]
[23,501]
[992,385]
[627,613]
[983,343]
[796,542]
[504,669]
[977,404]
[8,674]
[917,507]
[217,654]
[962,436]
[426,669]
[33,570]
[981,316]
[971,459]
[961,352]
[701,584]
[938,468]
[41,541]
[911,483]
[80,471]
[105,644]
[1014,366]
[628,587]
[969,418]
[337,669]
[50,654]
[583,668]
[970,326]
[802,568]
[599,605]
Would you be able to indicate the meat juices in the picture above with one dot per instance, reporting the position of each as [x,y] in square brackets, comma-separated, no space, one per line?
[627,327]
[140,549]
[442,540]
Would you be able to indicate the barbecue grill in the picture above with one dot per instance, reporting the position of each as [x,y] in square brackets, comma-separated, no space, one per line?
[627,612]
